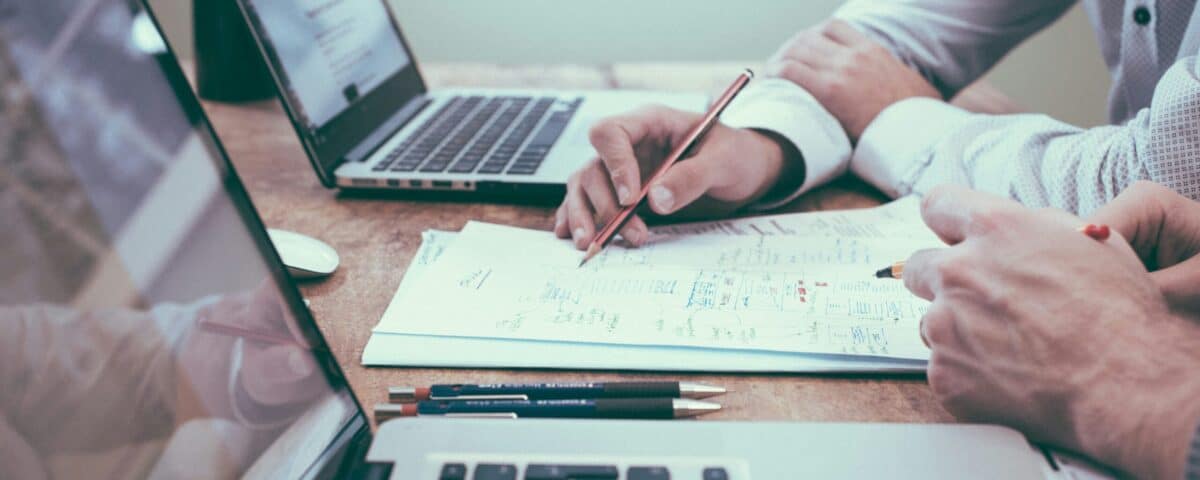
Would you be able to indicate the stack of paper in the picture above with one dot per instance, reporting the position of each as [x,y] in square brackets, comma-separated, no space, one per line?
[776,293]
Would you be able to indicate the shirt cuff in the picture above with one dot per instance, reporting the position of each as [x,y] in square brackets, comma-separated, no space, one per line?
[898,145]
[782,107]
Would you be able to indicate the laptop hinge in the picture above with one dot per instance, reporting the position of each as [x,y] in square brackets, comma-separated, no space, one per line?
[389,127]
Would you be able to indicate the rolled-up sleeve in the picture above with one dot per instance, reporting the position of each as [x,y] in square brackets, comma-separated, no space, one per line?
[917,144]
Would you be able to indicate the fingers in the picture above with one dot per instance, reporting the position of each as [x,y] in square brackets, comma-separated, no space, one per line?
[954,212]
[280,374]
[1137,215]
[938,328]
[794,71]
[683,184]
[1162,226]
[600,194]
[562,228]
[1179,286]
[921,273]
[579,214]
[616,140]
[591,200]
[809,48]
[843,34]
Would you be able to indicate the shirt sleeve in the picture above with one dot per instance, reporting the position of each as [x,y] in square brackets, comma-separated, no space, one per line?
[1191,471]
[782,107]
[917,144]
[951,42]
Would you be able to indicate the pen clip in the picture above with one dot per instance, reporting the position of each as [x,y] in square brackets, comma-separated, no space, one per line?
[482,397]
[509,415]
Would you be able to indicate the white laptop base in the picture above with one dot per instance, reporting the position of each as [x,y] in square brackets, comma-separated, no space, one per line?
[419,448]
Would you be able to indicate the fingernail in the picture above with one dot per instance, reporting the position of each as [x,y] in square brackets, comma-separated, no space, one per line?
[635,237]
[578,233]
[662,198]
[299,362]
[557,224]
[623,195]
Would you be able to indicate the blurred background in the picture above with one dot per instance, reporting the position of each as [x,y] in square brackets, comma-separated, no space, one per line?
[1058,72]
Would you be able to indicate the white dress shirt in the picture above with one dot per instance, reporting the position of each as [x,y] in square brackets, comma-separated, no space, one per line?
[1150,47]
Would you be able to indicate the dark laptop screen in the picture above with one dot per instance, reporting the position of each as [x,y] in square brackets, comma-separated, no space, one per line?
[146,327]
[341,66]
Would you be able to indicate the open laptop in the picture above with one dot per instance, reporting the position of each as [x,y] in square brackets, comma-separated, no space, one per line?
[149,330]
[356,97]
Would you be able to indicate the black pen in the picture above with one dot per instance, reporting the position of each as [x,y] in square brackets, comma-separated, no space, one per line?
[628,408]
[549,391]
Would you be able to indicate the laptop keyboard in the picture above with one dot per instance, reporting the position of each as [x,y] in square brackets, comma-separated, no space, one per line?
[533,471]
[509,135]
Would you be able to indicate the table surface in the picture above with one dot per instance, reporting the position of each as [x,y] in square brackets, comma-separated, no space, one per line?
[377,238]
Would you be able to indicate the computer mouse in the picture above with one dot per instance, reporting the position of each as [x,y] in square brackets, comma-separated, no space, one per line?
[305,257]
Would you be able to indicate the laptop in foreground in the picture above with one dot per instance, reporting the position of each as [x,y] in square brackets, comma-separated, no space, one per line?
[149,330]
[367,120]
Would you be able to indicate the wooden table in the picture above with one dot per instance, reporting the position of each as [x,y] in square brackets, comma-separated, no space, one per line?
[378,238]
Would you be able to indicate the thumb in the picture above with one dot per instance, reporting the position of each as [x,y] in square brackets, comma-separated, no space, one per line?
[280,374]
[1180,285]
[681,185]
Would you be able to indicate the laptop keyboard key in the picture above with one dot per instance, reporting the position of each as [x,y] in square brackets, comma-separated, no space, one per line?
[571,472]
[489,471]
[715,473]
[453,471]
[647,473]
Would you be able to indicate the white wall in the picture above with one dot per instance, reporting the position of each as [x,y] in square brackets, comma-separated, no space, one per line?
[1058,72]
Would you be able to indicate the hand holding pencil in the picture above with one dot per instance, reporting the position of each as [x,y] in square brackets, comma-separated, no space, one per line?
[682,148]
[731,168]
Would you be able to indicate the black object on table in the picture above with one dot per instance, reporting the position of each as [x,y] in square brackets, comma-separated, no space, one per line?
[229,66]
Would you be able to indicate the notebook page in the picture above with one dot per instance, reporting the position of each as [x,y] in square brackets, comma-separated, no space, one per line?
[809,293]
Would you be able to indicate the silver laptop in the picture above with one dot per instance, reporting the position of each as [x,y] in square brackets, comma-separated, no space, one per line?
[149,330]
[358,102]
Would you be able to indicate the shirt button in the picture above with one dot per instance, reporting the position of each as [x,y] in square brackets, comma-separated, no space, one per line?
[1141,15]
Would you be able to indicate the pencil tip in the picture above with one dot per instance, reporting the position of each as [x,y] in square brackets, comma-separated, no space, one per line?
[885,272]
[592,250]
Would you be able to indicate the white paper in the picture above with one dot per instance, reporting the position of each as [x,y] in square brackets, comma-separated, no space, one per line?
[806,290]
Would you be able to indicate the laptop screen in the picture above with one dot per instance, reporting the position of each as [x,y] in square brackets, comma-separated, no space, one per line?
[341,66]
[147,329]
[333,52]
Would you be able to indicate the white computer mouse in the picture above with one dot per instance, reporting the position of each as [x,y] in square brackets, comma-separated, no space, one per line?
[305,257]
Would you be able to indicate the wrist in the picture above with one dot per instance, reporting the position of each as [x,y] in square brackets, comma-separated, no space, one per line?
[1146,428]
[785,172]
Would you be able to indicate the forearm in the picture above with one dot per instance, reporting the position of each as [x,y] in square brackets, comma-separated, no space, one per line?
[950,42]
[1033,158]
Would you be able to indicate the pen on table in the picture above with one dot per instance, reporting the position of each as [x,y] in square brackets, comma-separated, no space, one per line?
[1096,232]
[627,408]
[549,391]
[680,151]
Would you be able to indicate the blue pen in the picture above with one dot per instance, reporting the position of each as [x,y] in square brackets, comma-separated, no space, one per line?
[628,408]
[550,391]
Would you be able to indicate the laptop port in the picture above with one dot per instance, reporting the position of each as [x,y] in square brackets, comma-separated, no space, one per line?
[443,184]
[393,183]
[416,183]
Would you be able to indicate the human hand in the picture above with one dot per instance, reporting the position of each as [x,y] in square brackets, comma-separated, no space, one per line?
[1164,229]
[852,76]
[730,168]
[270,373]
[1066,338]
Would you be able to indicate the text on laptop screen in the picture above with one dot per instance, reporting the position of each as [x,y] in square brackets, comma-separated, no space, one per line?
[333,52]
[146,329]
